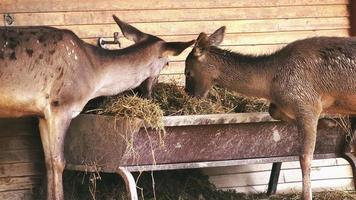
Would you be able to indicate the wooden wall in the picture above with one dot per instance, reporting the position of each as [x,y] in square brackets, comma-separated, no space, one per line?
[253,26]
[21,159]
[328,174]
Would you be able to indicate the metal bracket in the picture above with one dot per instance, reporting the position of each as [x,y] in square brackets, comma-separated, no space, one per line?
[129,182]
[103,43]
[9,19]
[273,180]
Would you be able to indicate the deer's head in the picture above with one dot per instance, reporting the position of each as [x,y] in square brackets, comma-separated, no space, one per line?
[156,50]
[201,70]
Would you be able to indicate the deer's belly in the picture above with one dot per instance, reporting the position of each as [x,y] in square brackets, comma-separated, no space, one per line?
[345,104]
[18,106]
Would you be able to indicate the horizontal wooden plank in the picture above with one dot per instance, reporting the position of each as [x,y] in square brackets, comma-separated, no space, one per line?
[17,195]
[267,167]
[20,156]
[174,15]
[320,185]
[177,78]
[233,26]
[241,38]
[318,173]
[18,183]
[20,142]
[215,171]
[244,49]
[21,169]
[243,179]
[90,5]
[17,127]
[286,176]
[317,163]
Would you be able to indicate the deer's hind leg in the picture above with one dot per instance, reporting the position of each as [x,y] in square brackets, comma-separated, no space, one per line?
[307,122]
[52,129]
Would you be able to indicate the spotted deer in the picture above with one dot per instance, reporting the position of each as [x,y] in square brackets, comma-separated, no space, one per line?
[302,80]
[52,74]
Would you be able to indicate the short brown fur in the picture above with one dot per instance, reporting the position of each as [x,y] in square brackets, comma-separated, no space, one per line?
[302,80]
[52,74]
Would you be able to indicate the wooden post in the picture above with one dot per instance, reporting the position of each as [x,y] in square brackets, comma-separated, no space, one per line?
[353,17]
[273,179]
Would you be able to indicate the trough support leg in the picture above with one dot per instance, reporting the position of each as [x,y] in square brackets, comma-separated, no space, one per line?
[352,160]
[129,183]
[349,153]
[273,180]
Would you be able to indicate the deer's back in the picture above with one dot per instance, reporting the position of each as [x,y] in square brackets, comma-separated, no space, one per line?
[39,65]
[328,64]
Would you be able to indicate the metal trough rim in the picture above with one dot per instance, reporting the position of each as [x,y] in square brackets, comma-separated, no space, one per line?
[210,119]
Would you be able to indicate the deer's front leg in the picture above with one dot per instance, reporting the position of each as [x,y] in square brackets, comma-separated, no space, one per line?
[147,86]
[52,129]
[307,121]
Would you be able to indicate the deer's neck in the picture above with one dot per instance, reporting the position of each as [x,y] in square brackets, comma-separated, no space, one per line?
[119,70]
[247,75]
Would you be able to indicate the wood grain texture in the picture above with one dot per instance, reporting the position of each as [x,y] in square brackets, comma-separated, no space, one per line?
[233,26]
[19,183]
[22,169]
[20,156]
[174,15]
[91,5]
[26,194]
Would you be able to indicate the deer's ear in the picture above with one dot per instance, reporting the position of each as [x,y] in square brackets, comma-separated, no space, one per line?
[175,48]
[130,32]
[201,45]
[217,37]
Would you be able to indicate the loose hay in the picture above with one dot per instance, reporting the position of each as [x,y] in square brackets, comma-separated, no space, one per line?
[173,185]
[132,106]
[171,99]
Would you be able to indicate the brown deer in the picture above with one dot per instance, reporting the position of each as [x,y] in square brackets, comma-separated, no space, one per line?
[52,74]
[302,80]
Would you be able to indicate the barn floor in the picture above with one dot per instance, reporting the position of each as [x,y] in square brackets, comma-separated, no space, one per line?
[169,185]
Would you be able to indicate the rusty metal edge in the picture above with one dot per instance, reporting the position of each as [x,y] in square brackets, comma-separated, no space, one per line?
[175,166]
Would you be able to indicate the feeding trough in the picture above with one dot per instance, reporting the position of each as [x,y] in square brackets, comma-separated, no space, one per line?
[108,144]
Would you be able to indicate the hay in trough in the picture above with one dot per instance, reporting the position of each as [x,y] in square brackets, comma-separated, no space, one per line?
[174,101]
[132,106]
[171,99]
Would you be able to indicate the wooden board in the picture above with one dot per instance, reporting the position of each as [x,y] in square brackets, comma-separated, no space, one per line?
[233,26]
[26,194]
[174,15]
[91,5]
[18,183]
[20,142]
[31,168]
[326,174]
